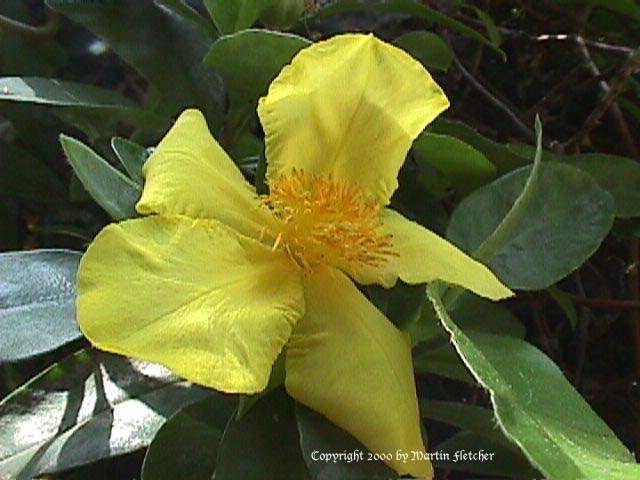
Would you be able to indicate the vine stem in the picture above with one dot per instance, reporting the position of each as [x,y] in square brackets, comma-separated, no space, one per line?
[512,220]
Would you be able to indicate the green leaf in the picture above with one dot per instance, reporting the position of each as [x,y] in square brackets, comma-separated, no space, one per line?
[88,407]
[620,176]
[60,93]
[408,7]
[491,457]
[428,47]
[563,220]
[465,166]
[481,315]
[231,17]
[92,109]
[492,30]
[112,190]
[538,408]
[443,361]
[182,8]
[249,60]
[475,419]
[37,302]
[319,435]
[263,443]
[132,157]
[186,446]
[141,33]
[566,305]
[437,356]
[497,153]
[282,14]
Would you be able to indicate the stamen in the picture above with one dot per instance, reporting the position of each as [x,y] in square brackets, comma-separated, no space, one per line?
[326,221]
[277,242]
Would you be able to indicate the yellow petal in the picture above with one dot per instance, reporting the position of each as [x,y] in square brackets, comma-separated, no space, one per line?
[193,295]
[349,107]
[348,362]
[190,174]
[423,256]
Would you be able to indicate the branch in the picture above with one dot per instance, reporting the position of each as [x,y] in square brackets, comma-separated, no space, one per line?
[609,101]
[606,303]
[494,100]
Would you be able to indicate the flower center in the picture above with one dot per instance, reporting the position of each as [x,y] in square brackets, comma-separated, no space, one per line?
[326,221]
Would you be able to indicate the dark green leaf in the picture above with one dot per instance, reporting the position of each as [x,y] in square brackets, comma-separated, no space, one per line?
[37,302]
[565,303]
[132,157]
[498,154]
[428,47]
[481,315]
[483,456]
[538,408]
[443,361]
[411,8]
[492,30]
[282,14]
[249,60]
[236,15]
[60,93]
[620,176]
[112,190]
[84,106]
[186,446]
[465,166]
[181,7]
[476,419]
[143,32]
[88,407]
[318,435]
[263,443]
[437,356]
[563,223]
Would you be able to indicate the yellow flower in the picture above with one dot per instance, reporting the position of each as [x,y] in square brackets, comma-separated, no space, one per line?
[215,281]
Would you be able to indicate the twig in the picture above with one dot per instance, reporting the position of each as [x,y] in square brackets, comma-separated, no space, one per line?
[606,303]
[583,334]
[494,100]
[579,39]
[555,91]
[608,102]
[47,29]
[477,60]
[557,37]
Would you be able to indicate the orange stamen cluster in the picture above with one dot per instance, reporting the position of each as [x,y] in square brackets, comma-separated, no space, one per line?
[326,221]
